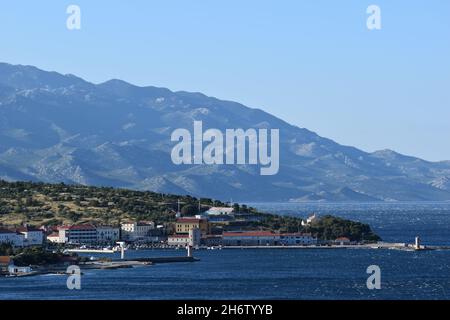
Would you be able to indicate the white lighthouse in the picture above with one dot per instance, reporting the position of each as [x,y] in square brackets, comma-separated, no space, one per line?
[417,243]
[122,249]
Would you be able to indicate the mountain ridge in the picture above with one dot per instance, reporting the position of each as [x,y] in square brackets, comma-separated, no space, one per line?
[61,128]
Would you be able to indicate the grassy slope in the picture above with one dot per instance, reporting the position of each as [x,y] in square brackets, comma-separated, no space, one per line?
[56,204]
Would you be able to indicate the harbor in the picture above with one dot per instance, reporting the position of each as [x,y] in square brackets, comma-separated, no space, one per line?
[251,274]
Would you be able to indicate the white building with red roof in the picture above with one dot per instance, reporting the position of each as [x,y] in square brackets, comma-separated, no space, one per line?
[250,238]
[54,238]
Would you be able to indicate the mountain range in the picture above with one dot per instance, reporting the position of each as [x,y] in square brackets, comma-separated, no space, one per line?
[61,128]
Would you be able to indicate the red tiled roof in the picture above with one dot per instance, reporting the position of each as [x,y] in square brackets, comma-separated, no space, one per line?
[295,234]
[54,234]
[5,260]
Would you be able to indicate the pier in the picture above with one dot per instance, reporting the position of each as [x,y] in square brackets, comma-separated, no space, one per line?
[167,259]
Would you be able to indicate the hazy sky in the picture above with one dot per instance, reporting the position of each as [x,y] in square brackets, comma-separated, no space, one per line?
[312,63]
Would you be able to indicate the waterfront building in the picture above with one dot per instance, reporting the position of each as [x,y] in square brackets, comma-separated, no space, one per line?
[250,238]
[79,234]
[212,240]
[184,225]
[135,231]
[107,234]
[192,239]
[32,236]
[178,240]
[292,239]
[12,237]
[265,238]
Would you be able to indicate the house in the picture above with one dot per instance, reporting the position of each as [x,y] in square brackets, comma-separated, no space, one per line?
[292,239]
[7,267]
[12,237]
[220,211]
[134,231]
[184,225]
[107,234]
[250,238]
[54,238]
[32,236]
[192,239]
[78,234]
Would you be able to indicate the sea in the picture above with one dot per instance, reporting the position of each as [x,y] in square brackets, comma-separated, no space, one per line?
[293,274]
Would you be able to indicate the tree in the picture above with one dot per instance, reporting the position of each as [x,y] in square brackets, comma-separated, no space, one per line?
[6,249]
[189,210]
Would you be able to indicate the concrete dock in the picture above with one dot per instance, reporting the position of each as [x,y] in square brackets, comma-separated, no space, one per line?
[167,259]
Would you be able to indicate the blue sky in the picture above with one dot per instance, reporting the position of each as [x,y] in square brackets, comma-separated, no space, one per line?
[313,63]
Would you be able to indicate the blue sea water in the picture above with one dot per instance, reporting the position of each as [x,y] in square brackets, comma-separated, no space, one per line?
[394,222]
[279,273]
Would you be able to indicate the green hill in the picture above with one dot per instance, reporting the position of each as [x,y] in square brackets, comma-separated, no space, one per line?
[41,204]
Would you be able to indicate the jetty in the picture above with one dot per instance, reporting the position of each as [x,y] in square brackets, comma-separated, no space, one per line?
[90,251]
[167,259]
[139,261]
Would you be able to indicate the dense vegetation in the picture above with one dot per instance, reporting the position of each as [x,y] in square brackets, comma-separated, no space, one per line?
[30,256]
[6,249]
[34,256]
[55,204]
[330,228]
